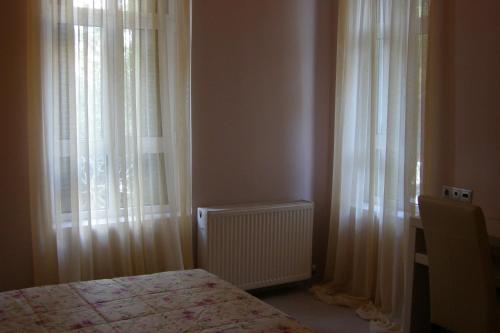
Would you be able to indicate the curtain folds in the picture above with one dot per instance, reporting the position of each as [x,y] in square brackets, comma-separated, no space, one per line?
[377,146]
[109,87]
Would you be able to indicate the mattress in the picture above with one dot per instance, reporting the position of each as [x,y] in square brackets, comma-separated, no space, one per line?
[182,301]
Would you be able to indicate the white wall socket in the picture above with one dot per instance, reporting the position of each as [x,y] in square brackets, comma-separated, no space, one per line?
[457,193]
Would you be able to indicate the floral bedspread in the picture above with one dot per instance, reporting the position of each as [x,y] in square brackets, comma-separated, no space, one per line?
[182,301]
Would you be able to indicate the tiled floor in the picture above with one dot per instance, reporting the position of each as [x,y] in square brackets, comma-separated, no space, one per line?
[321,317]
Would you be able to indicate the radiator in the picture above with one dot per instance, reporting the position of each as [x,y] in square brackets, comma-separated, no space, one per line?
[255,246]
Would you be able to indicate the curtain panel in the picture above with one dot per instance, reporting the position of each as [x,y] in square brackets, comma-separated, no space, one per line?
[109,87]
[377,146]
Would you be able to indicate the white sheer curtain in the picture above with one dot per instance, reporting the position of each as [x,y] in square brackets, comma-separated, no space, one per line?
[377,147]
[110,147]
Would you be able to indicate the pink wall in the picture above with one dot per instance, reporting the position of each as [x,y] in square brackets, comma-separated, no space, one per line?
[261,103]
[476,42]
[15,232]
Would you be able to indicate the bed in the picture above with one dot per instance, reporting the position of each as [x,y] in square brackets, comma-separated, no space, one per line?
[182,301]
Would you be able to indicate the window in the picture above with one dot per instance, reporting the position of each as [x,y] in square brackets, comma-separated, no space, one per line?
[383,90]
[385,80]
[108,76]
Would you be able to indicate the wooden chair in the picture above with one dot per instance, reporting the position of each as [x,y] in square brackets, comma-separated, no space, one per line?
[462,282]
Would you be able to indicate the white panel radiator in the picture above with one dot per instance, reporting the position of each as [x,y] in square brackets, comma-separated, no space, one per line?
[257,246]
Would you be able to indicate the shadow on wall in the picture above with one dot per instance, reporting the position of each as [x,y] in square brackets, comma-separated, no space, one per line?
[15,230]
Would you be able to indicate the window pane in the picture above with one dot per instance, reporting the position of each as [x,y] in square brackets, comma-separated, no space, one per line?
[97,4]
[88,82]
[141,6]
[154,182]
[141,72]
[63,76]
[129,78]
[152,118]
[93,177]
[65,183]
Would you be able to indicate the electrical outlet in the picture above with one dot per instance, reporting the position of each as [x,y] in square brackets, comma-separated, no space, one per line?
[466,195]
[457,193]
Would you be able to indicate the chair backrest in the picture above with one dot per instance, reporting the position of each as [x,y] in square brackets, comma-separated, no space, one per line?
[461,276]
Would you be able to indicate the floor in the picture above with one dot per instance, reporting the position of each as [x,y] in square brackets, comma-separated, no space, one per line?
[321,317]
